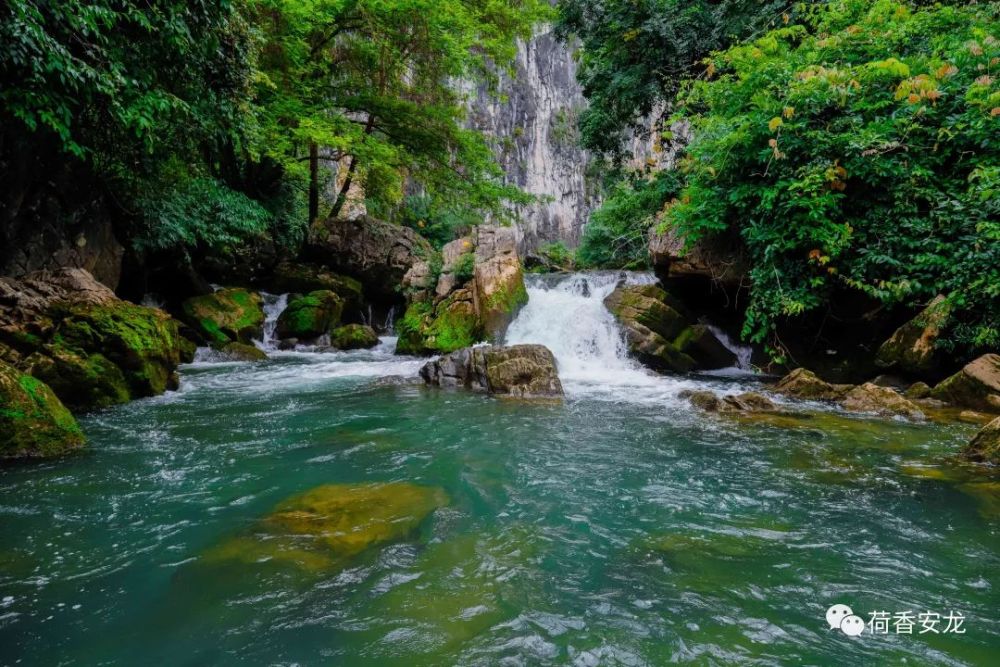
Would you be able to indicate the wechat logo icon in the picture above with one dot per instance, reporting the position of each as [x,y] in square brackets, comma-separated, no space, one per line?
[840,616]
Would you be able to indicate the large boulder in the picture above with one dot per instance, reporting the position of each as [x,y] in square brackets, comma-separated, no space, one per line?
[912,348]
[377,253]
[33,422]
[499,280]
[310,316]
[804,384]
[985,446]
[976,386]
[94,349]
[874,399]
[523,371]
[749,401]
[473,297]
[226,315]
[659,333]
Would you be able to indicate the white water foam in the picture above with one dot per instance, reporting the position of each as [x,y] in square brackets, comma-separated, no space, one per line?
[274,304]
[567,315]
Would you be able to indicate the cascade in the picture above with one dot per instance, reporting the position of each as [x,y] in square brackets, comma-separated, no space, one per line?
[273,305]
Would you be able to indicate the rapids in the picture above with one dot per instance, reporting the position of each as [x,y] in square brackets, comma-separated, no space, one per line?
[620,527]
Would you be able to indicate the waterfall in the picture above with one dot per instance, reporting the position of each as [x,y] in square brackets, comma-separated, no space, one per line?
[273,305]
[742,352]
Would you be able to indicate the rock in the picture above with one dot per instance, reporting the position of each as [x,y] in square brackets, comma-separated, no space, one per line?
[976,386]
[310,316]
[83,382]
[699,343]
[324,528]
[804,384]
[302,278]
[288,344]
[973,417]
[523,371]
[718,259]
[871,398]
[499,280]
[651,326]
[227,315]
[985,446]
[33,422]
[241,352]
[917,390]
[353,337]
[450,325]
[890,381]
[912,348]
[95,349]
[377,253]
[745,402]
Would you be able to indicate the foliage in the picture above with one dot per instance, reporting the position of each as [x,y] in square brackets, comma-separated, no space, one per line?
[436,222]
[465,268]
[857,150]
[557,254]
[635,53]
[374,82]
[616,236]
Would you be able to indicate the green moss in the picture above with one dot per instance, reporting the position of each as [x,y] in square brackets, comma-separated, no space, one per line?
[507,299]
[353,337]
[226,315]
[310,316]
[427,330]
[81,381]
[33,422]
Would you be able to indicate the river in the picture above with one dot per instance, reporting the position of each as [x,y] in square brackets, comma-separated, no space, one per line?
[619,527]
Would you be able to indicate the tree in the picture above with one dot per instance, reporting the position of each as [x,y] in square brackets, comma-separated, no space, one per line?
[377,85]
[858,150]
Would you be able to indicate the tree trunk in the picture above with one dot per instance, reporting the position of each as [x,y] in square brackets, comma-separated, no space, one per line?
[313,183]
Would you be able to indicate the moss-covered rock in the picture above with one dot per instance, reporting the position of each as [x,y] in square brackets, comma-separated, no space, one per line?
[324,528]
[450,325]
[976,386]
[82,382]
[699,343]
[353,337]
[912,348]
[240,352]
[651,326]
[310,316]
[33,421]
[227,315]
[302,278]
[144,343]
[985,446]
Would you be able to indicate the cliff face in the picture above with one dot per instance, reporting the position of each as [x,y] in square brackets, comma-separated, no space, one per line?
[532,122]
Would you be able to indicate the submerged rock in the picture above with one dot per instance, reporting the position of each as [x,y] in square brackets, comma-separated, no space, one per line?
[746,402]
[985,446]
[94,349]
[310,316]
[228,315]
[976,386]
[324,528]
[353,337]
[33,422]
[874,399]
[523,371]
[912,348]
[804,384]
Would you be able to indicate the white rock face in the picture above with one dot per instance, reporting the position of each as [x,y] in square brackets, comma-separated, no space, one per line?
[532,123]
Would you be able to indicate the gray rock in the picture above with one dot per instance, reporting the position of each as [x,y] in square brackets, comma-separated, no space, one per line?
[522,371]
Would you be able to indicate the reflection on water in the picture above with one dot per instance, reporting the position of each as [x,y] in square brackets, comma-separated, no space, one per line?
[619,527]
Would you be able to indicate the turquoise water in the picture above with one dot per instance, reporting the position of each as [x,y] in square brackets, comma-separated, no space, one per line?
[618,527]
